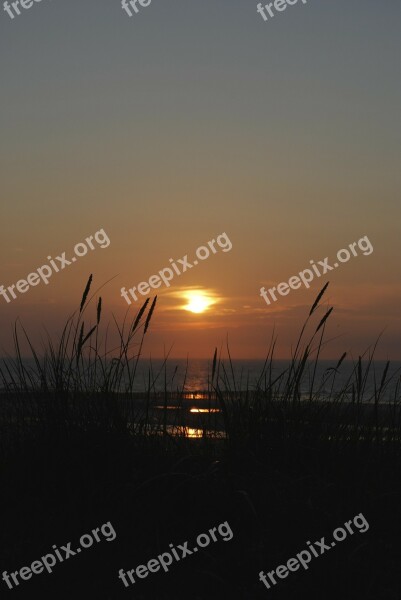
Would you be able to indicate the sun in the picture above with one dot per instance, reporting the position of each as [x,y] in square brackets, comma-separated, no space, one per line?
[198,302]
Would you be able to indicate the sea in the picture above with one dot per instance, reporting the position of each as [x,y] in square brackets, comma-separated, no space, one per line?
[178,375]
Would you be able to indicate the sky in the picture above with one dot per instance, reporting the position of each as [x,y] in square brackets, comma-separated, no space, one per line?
[189,120]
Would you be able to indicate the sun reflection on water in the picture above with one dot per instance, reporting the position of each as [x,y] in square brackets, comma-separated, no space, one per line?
[205,410]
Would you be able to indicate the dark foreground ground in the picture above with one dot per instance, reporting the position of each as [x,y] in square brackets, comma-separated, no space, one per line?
[278,484]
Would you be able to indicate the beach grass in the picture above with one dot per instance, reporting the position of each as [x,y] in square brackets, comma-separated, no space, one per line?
[298,457]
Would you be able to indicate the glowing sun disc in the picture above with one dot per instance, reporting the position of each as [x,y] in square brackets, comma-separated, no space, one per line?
[197,302]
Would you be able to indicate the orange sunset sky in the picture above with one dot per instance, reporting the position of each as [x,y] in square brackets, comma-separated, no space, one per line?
[203,119]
